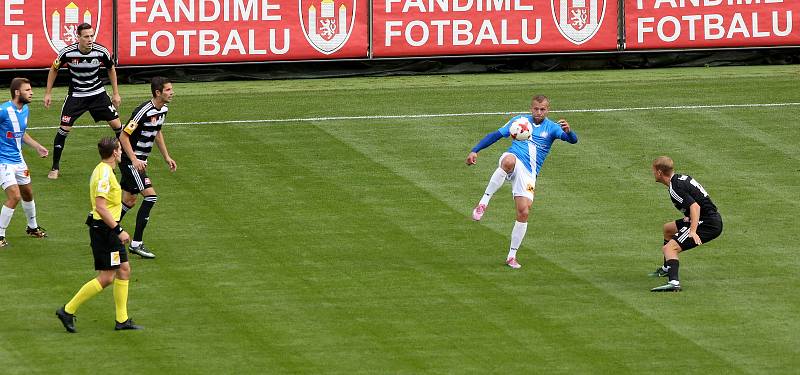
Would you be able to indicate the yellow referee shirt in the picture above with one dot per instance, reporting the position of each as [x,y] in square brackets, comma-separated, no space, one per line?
[104,184]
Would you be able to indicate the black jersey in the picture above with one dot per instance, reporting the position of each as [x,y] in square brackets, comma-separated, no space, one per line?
[84,68]
[685,190]
[144,125]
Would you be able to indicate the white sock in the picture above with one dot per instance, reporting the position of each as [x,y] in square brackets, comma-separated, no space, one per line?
[517,234]
[5,219]
[495,182]
[30,213]
[675,282]
[136,243]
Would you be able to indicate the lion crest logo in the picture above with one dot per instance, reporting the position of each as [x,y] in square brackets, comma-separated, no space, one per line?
[327,24]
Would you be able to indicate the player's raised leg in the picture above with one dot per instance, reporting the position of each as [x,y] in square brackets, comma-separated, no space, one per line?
[500,175]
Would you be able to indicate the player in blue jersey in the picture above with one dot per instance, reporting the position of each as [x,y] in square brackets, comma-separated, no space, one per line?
[520,165]
[15,177]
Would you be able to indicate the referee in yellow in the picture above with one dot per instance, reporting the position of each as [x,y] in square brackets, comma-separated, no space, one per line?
[107,241]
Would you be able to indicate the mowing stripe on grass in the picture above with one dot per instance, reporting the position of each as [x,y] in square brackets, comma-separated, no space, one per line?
[433,115]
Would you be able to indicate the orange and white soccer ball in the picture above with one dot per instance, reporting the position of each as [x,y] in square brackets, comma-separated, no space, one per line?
[521,129]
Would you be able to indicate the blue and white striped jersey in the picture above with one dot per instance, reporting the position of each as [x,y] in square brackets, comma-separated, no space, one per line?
[13,123]
[535,150]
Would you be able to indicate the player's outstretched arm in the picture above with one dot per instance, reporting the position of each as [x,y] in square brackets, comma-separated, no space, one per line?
[568,135]
[487,141]
[472,158]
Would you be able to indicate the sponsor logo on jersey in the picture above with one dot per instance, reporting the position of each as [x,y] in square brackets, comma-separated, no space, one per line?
[103,186]
[13,135]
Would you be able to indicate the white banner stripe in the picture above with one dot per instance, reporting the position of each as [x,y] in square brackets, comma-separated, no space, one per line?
[434,115]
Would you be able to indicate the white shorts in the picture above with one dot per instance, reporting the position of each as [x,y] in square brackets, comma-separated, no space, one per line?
[523,182]
[14,174]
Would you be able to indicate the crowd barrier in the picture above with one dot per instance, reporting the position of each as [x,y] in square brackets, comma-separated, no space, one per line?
[169,32]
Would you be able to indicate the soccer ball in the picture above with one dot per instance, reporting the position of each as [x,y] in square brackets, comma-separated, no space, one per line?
[521,129]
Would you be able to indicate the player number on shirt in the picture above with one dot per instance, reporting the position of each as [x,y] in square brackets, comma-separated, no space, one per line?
[698,186]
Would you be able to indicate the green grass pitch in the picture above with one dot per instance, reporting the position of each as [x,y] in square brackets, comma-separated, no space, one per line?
[345,246]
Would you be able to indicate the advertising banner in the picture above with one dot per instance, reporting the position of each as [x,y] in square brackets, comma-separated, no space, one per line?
[34,30]
[463,27]
[218,31]
[657,24]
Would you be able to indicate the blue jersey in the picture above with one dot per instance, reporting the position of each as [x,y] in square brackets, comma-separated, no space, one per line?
[535,150]
[12,127]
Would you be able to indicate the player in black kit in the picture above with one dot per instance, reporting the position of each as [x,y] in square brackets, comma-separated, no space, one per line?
[701,222]
[138,137]
[86,91]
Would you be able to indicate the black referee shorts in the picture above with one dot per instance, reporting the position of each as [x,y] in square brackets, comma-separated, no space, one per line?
[707,230]
[133,181]
[108,251]
[99,106]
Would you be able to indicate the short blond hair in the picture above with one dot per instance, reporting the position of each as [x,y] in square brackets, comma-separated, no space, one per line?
[540,99]
[664,164]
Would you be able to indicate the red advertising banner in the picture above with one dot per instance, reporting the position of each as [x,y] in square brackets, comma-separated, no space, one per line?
[463,27]
[34,30]
[216,31]
[654,24]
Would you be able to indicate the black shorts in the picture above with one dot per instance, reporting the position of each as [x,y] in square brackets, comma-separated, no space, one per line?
[133,180]
[108,251]
[99,106]
[707,230]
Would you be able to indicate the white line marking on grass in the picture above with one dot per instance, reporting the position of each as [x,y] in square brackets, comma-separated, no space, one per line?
[433,115]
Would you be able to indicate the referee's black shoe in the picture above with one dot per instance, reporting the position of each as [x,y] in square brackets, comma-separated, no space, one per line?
[67,319]
[142,251]
[126,325]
